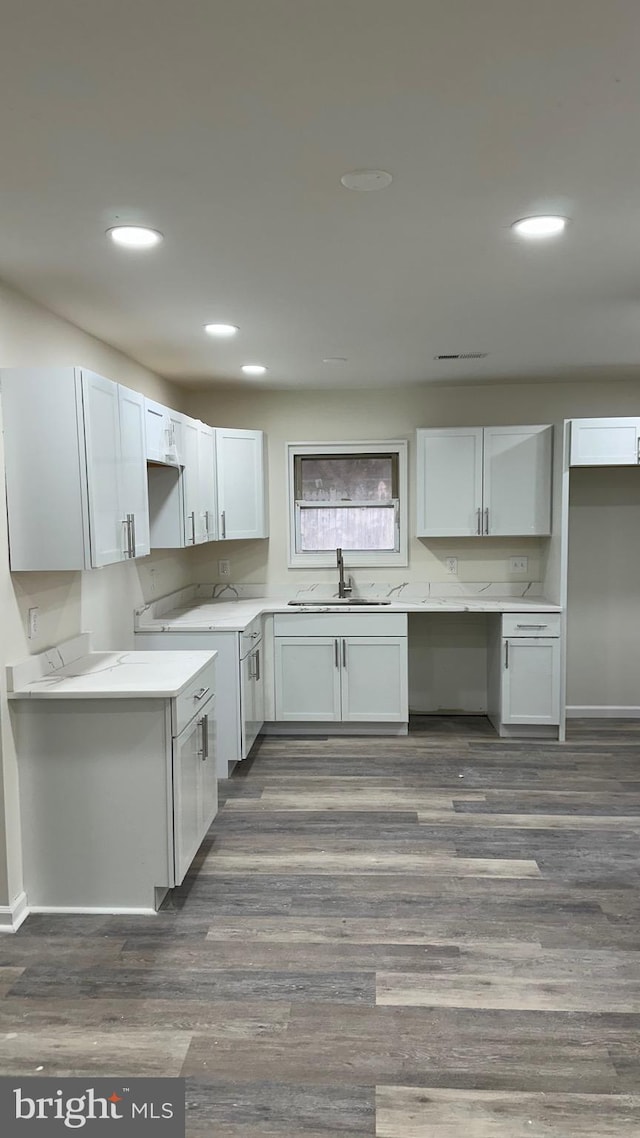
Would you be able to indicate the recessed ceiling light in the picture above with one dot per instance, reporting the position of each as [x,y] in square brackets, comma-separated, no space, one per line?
[253,369]
[366,180]
[335,360]
[547,225]
[221,330]
[134,236]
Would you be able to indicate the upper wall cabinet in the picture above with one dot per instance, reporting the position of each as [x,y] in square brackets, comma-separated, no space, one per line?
[75,469]
[199,455]
[605,442]
[484,481]
[163,429]
[240,464]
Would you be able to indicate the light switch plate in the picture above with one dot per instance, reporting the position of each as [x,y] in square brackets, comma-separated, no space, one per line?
[518,564]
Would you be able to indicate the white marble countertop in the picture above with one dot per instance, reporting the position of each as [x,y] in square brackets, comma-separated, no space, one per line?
[70,671]
[234,616]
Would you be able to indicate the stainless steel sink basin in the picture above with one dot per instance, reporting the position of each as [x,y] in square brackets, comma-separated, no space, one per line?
[333,601]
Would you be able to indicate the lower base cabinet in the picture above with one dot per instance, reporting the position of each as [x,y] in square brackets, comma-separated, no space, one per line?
[116,797]
[239,679]
[356,672]
[524,671]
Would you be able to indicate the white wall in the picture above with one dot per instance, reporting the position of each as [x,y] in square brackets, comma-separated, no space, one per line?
[101,601]
[395,413]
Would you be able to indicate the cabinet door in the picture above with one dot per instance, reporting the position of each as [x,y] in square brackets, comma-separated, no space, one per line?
[531,680]
[155,430]
[374,679]
[187,804]
[605,442]
[449,482]
[206,517]
[132,469]
[208,789]
[109,536]
[307,678]
[191,478]
[241,484]
[517,481]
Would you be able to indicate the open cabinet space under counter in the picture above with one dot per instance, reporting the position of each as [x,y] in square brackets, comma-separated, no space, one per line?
[117,770]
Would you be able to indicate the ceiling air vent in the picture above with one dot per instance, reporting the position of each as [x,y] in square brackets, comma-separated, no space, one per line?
[462,356]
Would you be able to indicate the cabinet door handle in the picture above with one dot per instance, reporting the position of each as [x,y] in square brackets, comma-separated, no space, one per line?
[252,674]
[506,653]
[337,658]
[125,522]
[201,694]
[638,455]
[223,518]
[206,521]
[479,521]
[257,663]
[133,535]
[486,520]
[192,517]
[344,653]
[204,723]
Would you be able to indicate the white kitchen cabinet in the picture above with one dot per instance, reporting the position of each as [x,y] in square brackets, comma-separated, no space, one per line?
[241,484]
[163,432]
[240,683]
[200,508]
[483,481]
[251,685]
[116,793]
[307,678]
[75,469]
[531,681]
[195,787]
[524,670]
[341,667]
[605,442]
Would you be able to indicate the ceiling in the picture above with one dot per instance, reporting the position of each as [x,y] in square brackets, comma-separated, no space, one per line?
[227,125]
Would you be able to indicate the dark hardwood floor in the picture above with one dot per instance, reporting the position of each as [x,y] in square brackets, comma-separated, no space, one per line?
[418,937]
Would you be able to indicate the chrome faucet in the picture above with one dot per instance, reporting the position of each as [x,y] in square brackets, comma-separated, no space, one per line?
[344,587]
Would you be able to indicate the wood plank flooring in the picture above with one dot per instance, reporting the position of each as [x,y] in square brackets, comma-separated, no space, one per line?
[435,936]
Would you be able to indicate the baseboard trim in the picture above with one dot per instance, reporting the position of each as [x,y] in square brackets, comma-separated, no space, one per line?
[93,910]
[334,728]
[576,711]
[12,916]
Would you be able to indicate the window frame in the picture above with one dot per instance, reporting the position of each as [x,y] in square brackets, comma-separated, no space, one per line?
[370,558]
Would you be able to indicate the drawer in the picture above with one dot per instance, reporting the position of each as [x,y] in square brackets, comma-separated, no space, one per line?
[340,624]
[531,624]
[191,701]
[250,636]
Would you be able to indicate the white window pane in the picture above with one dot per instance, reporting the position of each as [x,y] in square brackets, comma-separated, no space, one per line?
[367,478]
[358,527]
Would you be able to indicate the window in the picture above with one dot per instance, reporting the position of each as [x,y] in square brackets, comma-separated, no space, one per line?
[347,495]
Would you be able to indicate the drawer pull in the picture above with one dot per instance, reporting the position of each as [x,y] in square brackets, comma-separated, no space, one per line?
[200,694]
[506,653]
[532,625]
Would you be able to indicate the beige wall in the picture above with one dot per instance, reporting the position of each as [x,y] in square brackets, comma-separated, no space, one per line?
[101,601]
[604,545]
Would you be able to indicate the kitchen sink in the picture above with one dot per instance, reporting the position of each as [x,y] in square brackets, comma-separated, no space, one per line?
[332,601]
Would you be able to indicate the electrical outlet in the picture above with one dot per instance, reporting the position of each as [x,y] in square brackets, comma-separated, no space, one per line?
[451,564]
[32,623]
[152,580]
[518,564]
[224,568]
